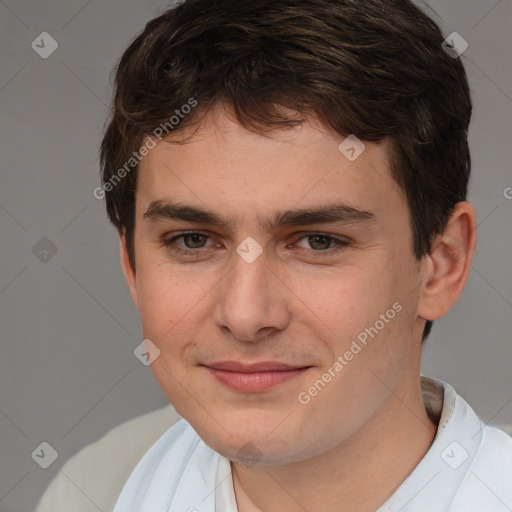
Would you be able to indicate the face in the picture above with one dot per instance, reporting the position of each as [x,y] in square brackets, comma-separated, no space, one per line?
[282,324]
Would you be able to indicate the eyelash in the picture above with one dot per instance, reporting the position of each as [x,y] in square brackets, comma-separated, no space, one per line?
[340,244]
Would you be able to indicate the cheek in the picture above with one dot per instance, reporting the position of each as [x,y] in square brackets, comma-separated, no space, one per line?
[347,299]
[173,304]
[163,300]
[371,310]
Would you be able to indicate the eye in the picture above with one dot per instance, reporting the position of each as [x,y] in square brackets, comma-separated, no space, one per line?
[193,241]
[322,243]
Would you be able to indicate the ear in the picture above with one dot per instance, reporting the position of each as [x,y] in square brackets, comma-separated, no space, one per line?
[128,270]
[448,265]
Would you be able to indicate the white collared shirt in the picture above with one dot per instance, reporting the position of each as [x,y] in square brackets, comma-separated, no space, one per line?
[468,467]
[153,464]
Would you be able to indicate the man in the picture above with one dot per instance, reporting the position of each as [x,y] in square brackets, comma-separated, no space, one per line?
[289,182]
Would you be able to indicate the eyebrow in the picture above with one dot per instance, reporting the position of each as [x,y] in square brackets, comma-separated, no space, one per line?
[336,212]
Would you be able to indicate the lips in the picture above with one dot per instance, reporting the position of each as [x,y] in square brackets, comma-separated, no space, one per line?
[254,377]
[264,366]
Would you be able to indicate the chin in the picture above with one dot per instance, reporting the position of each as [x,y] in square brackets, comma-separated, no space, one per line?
[255,442]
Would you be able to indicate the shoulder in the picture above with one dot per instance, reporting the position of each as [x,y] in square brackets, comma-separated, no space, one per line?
[93,478]
[495,457]
[488,482]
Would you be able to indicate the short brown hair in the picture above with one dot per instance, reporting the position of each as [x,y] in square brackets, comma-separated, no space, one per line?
[374,69]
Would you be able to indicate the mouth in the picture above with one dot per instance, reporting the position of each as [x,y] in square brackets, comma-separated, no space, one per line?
[254,377]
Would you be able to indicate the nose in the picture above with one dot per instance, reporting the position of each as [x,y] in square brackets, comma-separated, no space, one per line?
[252,301]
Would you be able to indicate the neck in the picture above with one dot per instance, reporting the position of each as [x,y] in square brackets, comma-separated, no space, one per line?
[361,473]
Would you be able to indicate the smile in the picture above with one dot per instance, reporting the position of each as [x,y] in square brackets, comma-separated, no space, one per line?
[251,378]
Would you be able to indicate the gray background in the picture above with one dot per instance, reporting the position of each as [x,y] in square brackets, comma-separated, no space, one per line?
[69,328]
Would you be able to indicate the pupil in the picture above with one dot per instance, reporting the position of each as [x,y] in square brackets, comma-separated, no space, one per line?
[195,238]
[317,237]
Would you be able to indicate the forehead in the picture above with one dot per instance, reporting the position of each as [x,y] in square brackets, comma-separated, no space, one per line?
[229,168]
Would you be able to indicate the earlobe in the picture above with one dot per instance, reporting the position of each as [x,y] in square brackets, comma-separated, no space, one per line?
[129,271]
[449,263]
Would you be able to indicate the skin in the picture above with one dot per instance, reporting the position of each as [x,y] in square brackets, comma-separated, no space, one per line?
[358,439]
